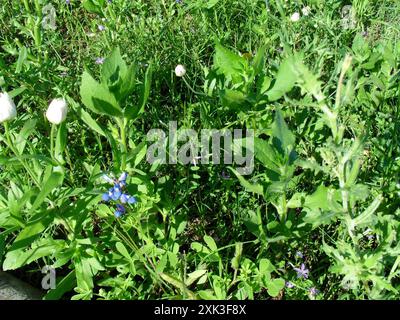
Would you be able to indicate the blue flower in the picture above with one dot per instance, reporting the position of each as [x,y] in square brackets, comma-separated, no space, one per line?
[122,179]
[313,291]
[116,193]
[289,285]
[126,198]
[100,60]
[302,272]
[120,210]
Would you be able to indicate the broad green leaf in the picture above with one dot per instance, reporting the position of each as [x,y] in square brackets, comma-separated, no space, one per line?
[113,68]
[87,118]
[229,64]
[285,79]
[266,266]
[42,248]
[97,97]
[122,250]
[275,286]
[264,152]
[92,6]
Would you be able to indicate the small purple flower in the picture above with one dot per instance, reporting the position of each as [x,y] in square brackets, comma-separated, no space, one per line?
[302,272]
[68,1]
[120,210]
[313,291]
[289,285]
[100,60]
[101,27]
[116,193]
[299,254]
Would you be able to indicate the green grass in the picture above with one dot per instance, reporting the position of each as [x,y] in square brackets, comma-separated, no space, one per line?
[165,234]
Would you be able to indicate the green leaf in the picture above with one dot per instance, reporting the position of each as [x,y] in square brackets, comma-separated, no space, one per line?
[122,250]
[285,79]
[211,3]
[92,6]
[21,59]
[97,97]
[55,180]
[210,243]
[233,99]
[193,276]
[229,64]
[283,138]
[144,95]
[113,68]
[259,61]
[63,286]
[42,248]
[266,154]
[235,262]
[128,83]
[61,140]
[206,295]
[275,286]
[24,134]
[266,266]
[92,124]
[255,188]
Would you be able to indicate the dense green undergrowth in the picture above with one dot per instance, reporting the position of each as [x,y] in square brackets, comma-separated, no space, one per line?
[317,218]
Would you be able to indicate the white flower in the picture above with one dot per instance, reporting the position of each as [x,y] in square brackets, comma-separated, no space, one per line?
[295,17]
[57,111]
[7,108]
[306,10]
[180,70]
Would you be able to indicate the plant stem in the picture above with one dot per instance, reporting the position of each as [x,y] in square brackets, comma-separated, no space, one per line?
[15,151]
[53,128]
[123,125]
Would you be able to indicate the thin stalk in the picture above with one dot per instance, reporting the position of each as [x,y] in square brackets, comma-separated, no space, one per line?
[123,125]
[16,153]
[52,132]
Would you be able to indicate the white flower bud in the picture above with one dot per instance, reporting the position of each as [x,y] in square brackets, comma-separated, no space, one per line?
[295,17]
[57,111]
[306,11]
[180,70]
[7,108]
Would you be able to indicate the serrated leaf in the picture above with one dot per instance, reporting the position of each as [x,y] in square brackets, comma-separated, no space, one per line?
[229,64]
